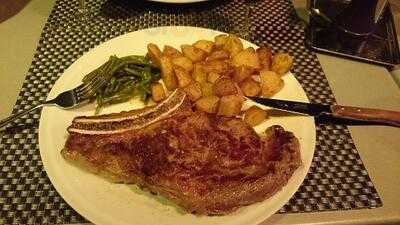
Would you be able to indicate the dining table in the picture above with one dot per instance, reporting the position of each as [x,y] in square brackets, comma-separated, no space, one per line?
[27,39]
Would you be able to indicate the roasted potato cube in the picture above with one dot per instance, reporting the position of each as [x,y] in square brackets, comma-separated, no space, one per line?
[171,52]
[204,45]
[208,104]
[193,91]
[218,54]
[217,66]
[193,53]
[265,57]
[233,45]
[182,76]
[281,63]
[212,77]
[167,73]
[157,92]
[255,115]
[224,86]
[220,40]
[241,73]
[250,87]
[154,53]
[230,105]
[271,83]
[247,57]
[199,74]
[207,88]
[183,62]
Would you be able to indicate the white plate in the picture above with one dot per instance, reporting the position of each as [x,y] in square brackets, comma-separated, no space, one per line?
[103,202]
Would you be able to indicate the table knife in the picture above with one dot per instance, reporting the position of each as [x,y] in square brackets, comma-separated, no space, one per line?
[336,111]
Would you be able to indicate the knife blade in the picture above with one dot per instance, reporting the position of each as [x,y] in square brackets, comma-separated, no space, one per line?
[387,117]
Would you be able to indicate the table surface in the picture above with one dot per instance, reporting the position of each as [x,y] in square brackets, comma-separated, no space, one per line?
[353,83]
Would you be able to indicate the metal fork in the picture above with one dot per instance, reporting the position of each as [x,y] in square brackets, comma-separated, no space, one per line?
[67,99]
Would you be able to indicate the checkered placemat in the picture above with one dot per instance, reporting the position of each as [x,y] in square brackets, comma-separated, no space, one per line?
[337,179]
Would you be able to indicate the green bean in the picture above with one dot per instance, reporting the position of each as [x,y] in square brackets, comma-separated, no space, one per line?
[126,77]
[138,60]
[99,100]
[128,88]
[116,99]
[132,71]
[109,88]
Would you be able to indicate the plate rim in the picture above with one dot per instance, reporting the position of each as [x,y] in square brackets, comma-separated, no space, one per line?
[71,201]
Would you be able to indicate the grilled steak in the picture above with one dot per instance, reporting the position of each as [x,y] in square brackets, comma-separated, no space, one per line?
[206,164]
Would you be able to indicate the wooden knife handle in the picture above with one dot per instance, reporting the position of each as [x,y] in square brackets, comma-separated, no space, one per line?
[367,114]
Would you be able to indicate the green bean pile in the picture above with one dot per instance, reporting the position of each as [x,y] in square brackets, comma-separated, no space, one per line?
[126,77]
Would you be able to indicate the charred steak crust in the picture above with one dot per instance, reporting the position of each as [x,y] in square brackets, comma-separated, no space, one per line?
[206,164]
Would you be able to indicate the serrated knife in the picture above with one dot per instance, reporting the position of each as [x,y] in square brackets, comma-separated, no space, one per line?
[336,111]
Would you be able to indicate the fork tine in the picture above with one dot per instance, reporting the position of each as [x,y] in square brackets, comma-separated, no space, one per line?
[97,84]
[85,85]
[87,91]
[90,89]
[79,88]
